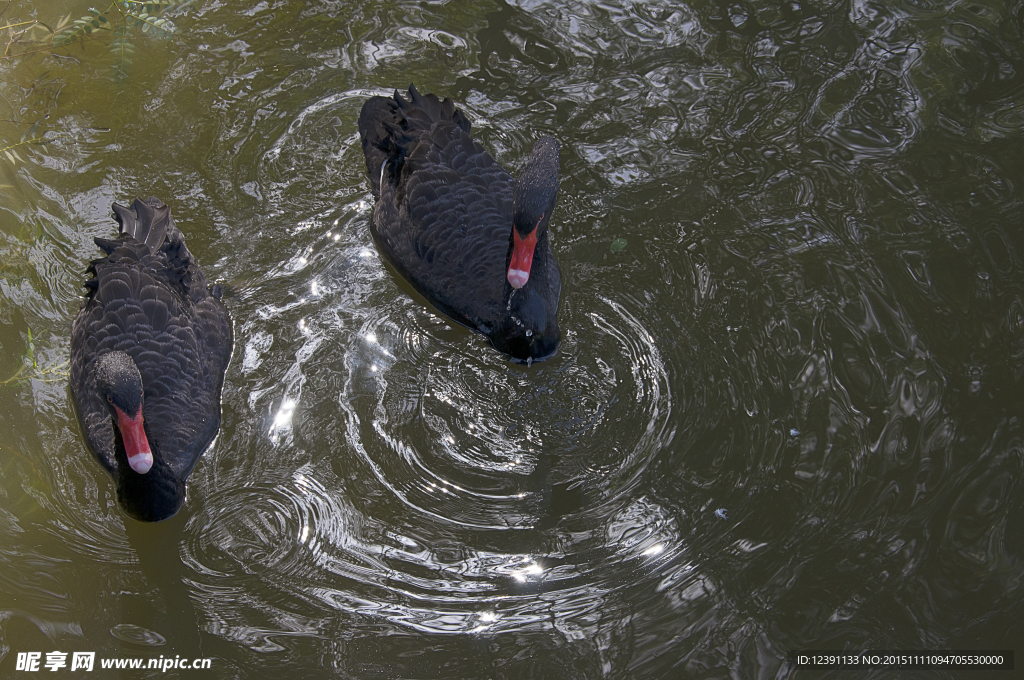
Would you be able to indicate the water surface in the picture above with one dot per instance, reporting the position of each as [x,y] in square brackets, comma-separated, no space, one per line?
[786,412]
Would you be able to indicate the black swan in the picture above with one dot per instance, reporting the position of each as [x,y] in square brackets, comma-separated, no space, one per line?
[458,228]
[148,353]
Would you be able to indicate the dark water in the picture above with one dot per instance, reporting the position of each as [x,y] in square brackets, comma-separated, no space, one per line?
[786,413]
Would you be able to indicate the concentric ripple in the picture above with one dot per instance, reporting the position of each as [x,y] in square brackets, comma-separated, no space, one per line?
[476,441]
[424,448]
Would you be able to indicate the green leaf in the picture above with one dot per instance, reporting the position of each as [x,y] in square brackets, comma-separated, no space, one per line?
[157,25]
[153,6]
[618,245]
[30,133]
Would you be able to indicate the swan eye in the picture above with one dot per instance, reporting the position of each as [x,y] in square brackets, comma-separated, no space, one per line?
[110,399]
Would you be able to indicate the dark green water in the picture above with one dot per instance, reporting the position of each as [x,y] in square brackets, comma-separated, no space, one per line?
[786,413]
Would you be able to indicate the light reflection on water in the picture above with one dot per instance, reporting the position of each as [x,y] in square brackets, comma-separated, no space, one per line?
[457,446]
[785,413]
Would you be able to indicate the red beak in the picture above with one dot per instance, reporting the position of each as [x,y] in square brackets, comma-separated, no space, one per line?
[140,458]
[522,257]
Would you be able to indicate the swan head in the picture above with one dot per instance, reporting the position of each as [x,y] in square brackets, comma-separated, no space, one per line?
[120,386]
[533,200]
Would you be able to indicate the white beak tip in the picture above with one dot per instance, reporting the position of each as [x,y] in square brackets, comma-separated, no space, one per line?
[518,277]
[141,462]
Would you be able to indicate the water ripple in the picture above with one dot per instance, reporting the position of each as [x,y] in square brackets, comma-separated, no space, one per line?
[786,410]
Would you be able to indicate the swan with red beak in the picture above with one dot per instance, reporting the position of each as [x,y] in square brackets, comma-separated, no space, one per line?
[456,225]
[148,352]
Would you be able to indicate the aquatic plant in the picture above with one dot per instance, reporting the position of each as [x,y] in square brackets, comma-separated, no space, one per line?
[118,26]
[132,16]
[145,16]
[30,369]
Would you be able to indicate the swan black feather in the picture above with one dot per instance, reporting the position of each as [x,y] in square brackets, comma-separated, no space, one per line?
[455,224]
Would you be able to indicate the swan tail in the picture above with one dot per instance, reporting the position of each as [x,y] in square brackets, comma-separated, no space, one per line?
[390,128]
[146,221]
